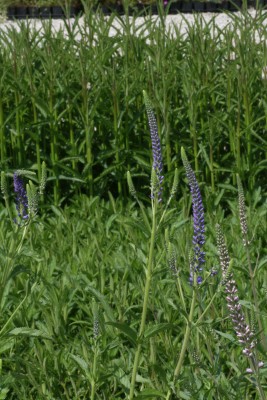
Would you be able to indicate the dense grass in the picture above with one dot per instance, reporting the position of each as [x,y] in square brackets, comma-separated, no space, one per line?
[76,101]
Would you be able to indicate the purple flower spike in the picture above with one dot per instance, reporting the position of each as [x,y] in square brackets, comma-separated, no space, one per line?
[156,150]
[198,258]
[21,196]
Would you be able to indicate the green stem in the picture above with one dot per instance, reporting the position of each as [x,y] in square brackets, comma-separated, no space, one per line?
[255,295]
[88,127]
[255,369]
[247,108]
[53,144]
[89,156]
[194,133]
[167,126]
[238,137]
[12,254]
[146,297]
[212,169]
[207,308]
[37,145]
[93,386]
[2,135]
[72,139]
[186,336]
[185,342]
[180,291]
[18,132]
[146,221]
[116,131]
[14,313]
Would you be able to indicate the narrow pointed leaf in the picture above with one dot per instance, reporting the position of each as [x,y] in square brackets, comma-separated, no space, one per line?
[124,328]
[154,330]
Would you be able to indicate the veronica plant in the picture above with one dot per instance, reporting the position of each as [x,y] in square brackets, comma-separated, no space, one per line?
[243,331]
[246,243]
[26,205]
[196,262]
[157,179]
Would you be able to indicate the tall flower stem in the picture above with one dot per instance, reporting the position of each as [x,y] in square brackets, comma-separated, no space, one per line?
[14,251]
[149,273]
[93,385]
[187,334]
[156,198]
[244,230]
[242,329]
[197,259]
[207,308]
[255,296]
[255,368]
[15,311]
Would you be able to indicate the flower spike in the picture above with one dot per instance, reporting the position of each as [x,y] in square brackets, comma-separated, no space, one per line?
[242,329]
[156,187]
[198,258]
[242,211]
[21,196]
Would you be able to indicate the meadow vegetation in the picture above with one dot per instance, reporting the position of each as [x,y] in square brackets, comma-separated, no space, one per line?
[133,218]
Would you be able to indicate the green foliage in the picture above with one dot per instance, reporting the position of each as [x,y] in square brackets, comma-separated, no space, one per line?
[75,100]
[86,263]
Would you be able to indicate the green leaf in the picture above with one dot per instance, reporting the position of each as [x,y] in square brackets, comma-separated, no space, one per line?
[3,393]
[25,331]
[70,178]
[142,161]
[178,224]
[226,336]
[185,395]
[124,328]
[103,301]
[202,148]
[262,262]
[150,394]
[218,198]
[107,171]
[42,107]
[153,330]
[6,344]
[18,269]
[109,223]
[26,173]
[80,361]
[227,186]
[122,377]
[58,213]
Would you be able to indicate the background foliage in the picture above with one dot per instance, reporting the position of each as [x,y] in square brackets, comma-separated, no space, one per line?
[76,101]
